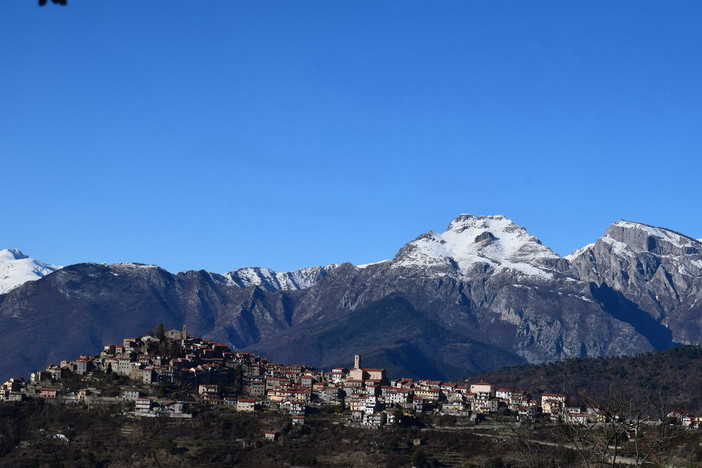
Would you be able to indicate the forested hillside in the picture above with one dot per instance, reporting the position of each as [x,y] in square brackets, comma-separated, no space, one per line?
[672,377]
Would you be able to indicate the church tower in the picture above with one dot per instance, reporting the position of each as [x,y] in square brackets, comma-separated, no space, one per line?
[357,361]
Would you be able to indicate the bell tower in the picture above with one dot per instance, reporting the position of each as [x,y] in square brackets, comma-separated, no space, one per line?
[357,361]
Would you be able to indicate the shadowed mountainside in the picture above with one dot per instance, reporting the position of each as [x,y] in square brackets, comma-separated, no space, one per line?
[479,296]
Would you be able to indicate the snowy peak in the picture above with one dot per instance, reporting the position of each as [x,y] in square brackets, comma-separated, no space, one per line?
[641,237]
[16,269]
[252,276]
[628,239]
[498,238]
[270,280]
[472,242]
[11,254]
[577,253]
[631,254]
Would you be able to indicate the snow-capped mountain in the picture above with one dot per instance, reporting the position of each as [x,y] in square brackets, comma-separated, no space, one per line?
[16,269]
[483,294]
[272,281]
[474,243]
[653,274]
[634,253]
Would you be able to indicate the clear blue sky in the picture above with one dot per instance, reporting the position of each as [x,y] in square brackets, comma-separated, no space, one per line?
[220,134]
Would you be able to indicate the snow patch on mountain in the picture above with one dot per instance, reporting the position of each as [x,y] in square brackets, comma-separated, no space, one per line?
[628,238]
[17,268]
[627,243]
[271,280]
[135,266]
[576,253]
[675,238]
[470,240]
[618,248]
[366,265]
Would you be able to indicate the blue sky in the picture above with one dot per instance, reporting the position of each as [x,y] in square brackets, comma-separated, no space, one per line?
[221,134]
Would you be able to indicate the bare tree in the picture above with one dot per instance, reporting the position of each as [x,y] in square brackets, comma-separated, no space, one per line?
[622,427]
[530,451]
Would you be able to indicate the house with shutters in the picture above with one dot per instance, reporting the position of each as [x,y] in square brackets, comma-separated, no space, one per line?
[247,405]
[553,403]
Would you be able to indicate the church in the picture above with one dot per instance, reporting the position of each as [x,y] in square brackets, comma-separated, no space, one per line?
[370,375]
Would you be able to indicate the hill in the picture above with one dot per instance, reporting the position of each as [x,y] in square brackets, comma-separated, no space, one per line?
[672,378]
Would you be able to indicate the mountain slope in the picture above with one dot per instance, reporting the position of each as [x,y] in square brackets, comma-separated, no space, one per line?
[269,280]
[390,333]
[652,275]
[482,294]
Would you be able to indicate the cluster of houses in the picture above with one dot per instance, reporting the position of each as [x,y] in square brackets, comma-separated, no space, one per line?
[686,419]
[13,390]
[247,383]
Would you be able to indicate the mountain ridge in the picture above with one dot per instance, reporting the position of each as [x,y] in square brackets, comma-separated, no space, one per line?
[460,299]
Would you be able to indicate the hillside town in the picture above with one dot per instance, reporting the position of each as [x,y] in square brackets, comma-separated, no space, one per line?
[211,374]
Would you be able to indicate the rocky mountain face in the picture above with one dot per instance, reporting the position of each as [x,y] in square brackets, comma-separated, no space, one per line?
[648,276]
[479,296]
[269,280]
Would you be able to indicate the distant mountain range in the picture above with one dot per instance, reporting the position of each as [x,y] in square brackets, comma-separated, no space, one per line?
[479,296]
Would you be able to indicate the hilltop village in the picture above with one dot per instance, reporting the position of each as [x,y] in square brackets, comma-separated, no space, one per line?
[147,373]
